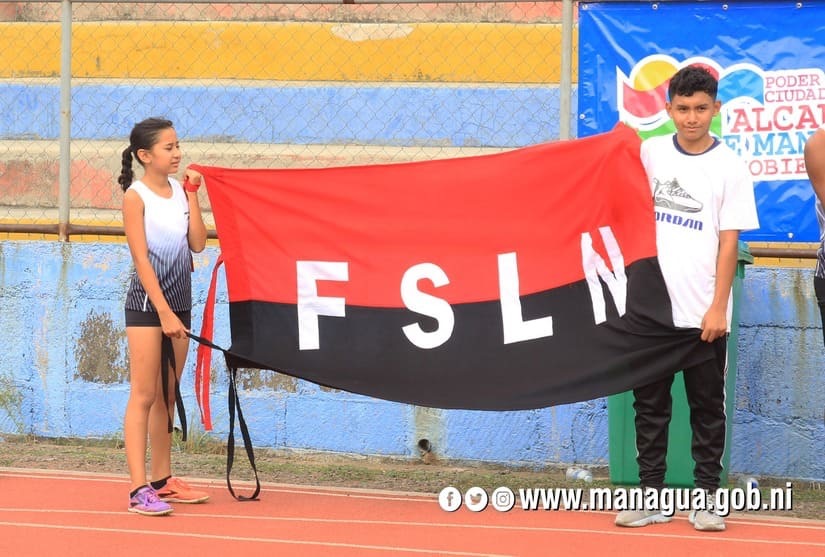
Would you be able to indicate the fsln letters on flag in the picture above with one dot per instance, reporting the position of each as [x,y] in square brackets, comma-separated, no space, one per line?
[311,305]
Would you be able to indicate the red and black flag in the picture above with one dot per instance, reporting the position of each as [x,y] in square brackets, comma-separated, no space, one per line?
[516,280]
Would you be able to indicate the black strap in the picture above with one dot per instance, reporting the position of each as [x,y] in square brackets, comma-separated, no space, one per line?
[167,362]
[235,402]
[235,405]
[205,342]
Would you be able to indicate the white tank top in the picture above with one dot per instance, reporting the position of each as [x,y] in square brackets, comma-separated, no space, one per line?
[166,222]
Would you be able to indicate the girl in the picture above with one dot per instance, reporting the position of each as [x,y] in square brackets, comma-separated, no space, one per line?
[163,222]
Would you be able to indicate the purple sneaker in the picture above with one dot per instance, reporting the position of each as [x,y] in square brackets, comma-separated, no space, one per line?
[146,501]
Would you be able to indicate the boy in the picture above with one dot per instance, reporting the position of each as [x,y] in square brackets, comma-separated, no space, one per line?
[703,197]
[815,166]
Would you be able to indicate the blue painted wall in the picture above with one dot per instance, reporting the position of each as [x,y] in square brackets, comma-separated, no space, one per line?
[447,116]
[62,316]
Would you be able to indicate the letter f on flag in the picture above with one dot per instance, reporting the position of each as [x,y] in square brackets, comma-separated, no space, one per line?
[311,305]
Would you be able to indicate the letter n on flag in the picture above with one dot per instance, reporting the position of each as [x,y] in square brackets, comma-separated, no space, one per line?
[508,281]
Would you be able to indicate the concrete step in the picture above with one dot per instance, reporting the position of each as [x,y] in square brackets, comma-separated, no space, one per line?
[29,173]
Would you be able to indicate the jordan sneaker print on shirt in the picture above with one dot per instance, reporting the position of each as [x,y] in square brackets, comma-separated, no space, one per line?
[670,195]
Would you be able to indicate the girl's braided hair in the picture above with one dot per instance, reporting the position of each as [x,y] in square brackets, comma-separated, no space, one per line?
[144,135]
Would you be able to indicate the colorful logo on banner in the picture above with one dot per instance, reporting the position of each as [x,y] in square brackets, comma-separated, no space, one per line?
[766,116]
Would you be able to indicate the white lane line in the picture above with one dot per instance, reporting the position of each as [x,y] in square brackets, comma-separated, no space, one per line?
[393,549]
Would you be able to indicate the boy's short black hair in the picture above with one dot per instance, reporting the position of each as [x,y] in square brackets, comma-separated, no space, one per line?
[691,79]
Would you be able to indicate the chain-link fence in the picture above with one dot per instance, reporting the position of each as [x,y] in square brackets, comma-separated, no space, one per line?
[261,84]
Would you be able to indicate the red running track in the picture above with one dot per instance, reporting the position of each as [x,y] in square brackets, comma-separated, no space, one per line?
[47,513]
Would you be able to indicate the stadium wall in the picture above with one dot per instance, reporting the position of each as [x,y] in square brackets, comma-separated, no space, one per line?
[65,374]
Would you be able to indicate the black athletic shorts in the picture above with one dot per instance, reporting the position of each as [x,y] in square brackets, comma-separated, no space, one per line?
[152,319]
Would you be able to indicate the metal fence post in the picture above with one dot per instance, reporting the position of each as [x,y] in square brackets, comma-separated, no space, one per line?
[64,198]
[566,77]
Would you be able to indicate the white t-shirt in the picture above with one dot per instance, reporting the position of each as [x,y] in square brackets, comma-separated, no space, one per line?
[819,271]
[695,197]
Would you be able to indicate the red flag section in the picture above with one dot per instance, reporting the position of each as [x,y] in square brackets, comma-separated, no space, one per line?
[458,214]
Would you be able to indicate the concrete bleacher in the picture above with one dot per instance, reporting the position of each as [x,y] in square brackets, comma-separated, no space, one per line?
[269,94]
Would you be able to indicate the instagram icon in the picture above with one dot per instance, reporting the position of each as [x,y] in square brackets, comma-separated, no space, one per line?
[503,499]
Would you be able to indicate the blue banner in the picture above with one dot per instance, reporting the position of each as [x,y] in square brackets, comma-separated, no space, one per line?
[769,58]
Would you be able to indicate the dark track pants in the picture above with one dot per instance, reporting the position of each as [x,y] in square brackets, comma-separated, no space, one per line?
[705,389]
